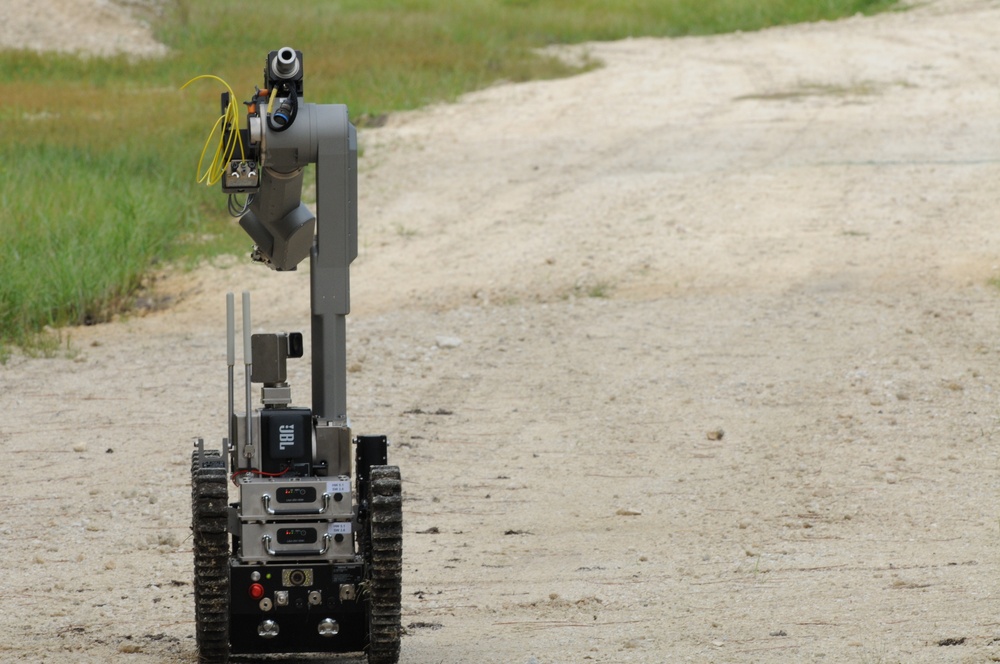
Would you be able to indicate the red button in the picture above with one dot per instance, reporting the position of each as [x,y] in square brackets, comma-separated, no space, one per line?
[256,590]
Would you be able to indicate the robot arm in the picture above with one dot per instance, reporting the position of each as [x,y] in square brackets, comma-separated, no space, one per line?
[266,163]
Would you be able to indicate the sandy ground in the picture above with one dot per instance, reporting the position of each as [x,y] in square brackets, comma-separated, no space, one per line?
[87,27]
[726,389]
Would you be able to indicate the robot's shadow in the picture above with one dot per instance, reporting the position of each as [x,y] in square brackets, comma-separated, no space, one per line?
[299,659]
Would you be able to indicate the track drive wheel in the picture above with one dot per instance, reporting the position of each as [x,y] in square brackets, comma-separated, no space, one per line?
[209,499]
[384,564]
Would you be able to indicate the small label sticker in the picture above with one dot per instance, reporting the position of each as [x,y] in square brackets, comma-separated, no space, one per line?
[339,486]
[340,528]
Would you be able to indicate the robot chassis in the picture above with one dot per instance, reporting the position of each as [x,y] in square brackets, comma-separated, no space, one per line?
[305,561]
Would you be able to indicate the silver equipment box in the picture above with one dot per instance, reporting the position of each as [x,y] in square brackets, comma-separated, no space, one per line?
[273,542]
[271,499]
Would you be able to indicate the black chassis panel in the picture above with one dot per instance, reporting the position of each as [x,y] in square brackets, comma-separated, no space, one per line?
[298,622]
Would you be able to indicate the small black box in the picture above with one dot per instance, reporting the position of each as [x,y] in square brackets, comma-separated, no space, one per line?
[287,437]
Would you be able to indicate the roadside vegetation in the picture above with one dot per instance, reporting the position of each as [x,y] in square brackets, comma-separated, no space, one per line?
[99,155]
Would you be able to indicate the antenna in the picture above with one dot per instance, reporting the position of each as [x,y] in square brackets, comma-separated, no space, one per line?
[248,362]
[231,362]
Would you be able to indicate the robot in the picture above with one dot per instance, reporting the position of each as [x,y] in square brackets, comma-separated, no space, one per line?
[308,559]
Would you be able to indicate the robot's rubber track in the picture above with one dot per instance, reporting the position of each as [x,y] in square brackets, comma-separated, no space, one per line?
[384,572]
[209,497]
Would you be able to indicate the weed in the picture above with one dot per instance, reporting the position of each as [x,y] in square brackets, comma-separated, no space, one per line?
[589,286]
[404,231]
[601,289]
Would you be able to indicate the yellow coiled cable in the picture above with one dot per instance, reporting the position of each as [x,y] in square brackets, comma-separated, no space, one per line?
[230,117]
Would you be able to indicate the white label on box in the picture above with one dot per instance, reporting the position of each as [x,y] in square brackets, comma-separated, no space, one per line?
[339,486]
[340,528]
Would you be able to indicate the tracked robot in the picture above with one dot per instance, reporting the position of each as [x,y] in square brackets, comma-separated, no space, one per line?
[308,558]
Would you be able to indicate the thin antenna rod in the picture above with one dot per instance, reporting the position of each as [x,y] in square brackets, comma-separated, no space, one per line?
[248,361]
[231,362]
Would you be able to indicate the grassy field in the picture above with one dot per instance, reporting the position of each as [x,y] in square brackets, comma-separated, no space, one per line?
[99,154]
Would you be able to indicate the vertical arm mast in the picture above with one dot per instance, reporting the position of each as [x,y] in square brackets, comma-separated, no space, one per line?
[336,246]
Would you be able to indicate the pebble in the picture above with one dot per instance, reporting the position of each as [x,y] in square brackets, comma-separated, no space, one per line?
[448,342]
[79,447]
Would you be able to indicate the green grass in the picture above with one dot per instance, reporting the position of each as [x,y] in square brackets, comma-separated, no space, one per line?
[99,154]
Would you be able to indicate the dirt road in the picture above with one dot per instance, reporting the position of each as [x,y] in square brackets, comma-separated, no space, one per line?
[726,387]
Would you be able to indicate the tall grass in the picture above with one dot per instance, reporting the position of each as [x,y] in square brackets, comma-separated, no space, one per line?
[92,193]
[99,154]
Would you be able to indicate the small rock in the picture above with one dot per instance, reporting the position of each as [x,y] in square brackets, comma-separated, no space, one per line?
[715,434]
[79,447]
[167,539]
[425,625]
[448,342]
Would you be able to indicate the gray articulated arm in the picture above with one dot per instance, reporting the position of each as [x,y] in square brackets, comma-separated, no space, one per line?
[335,248]
[283,230]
